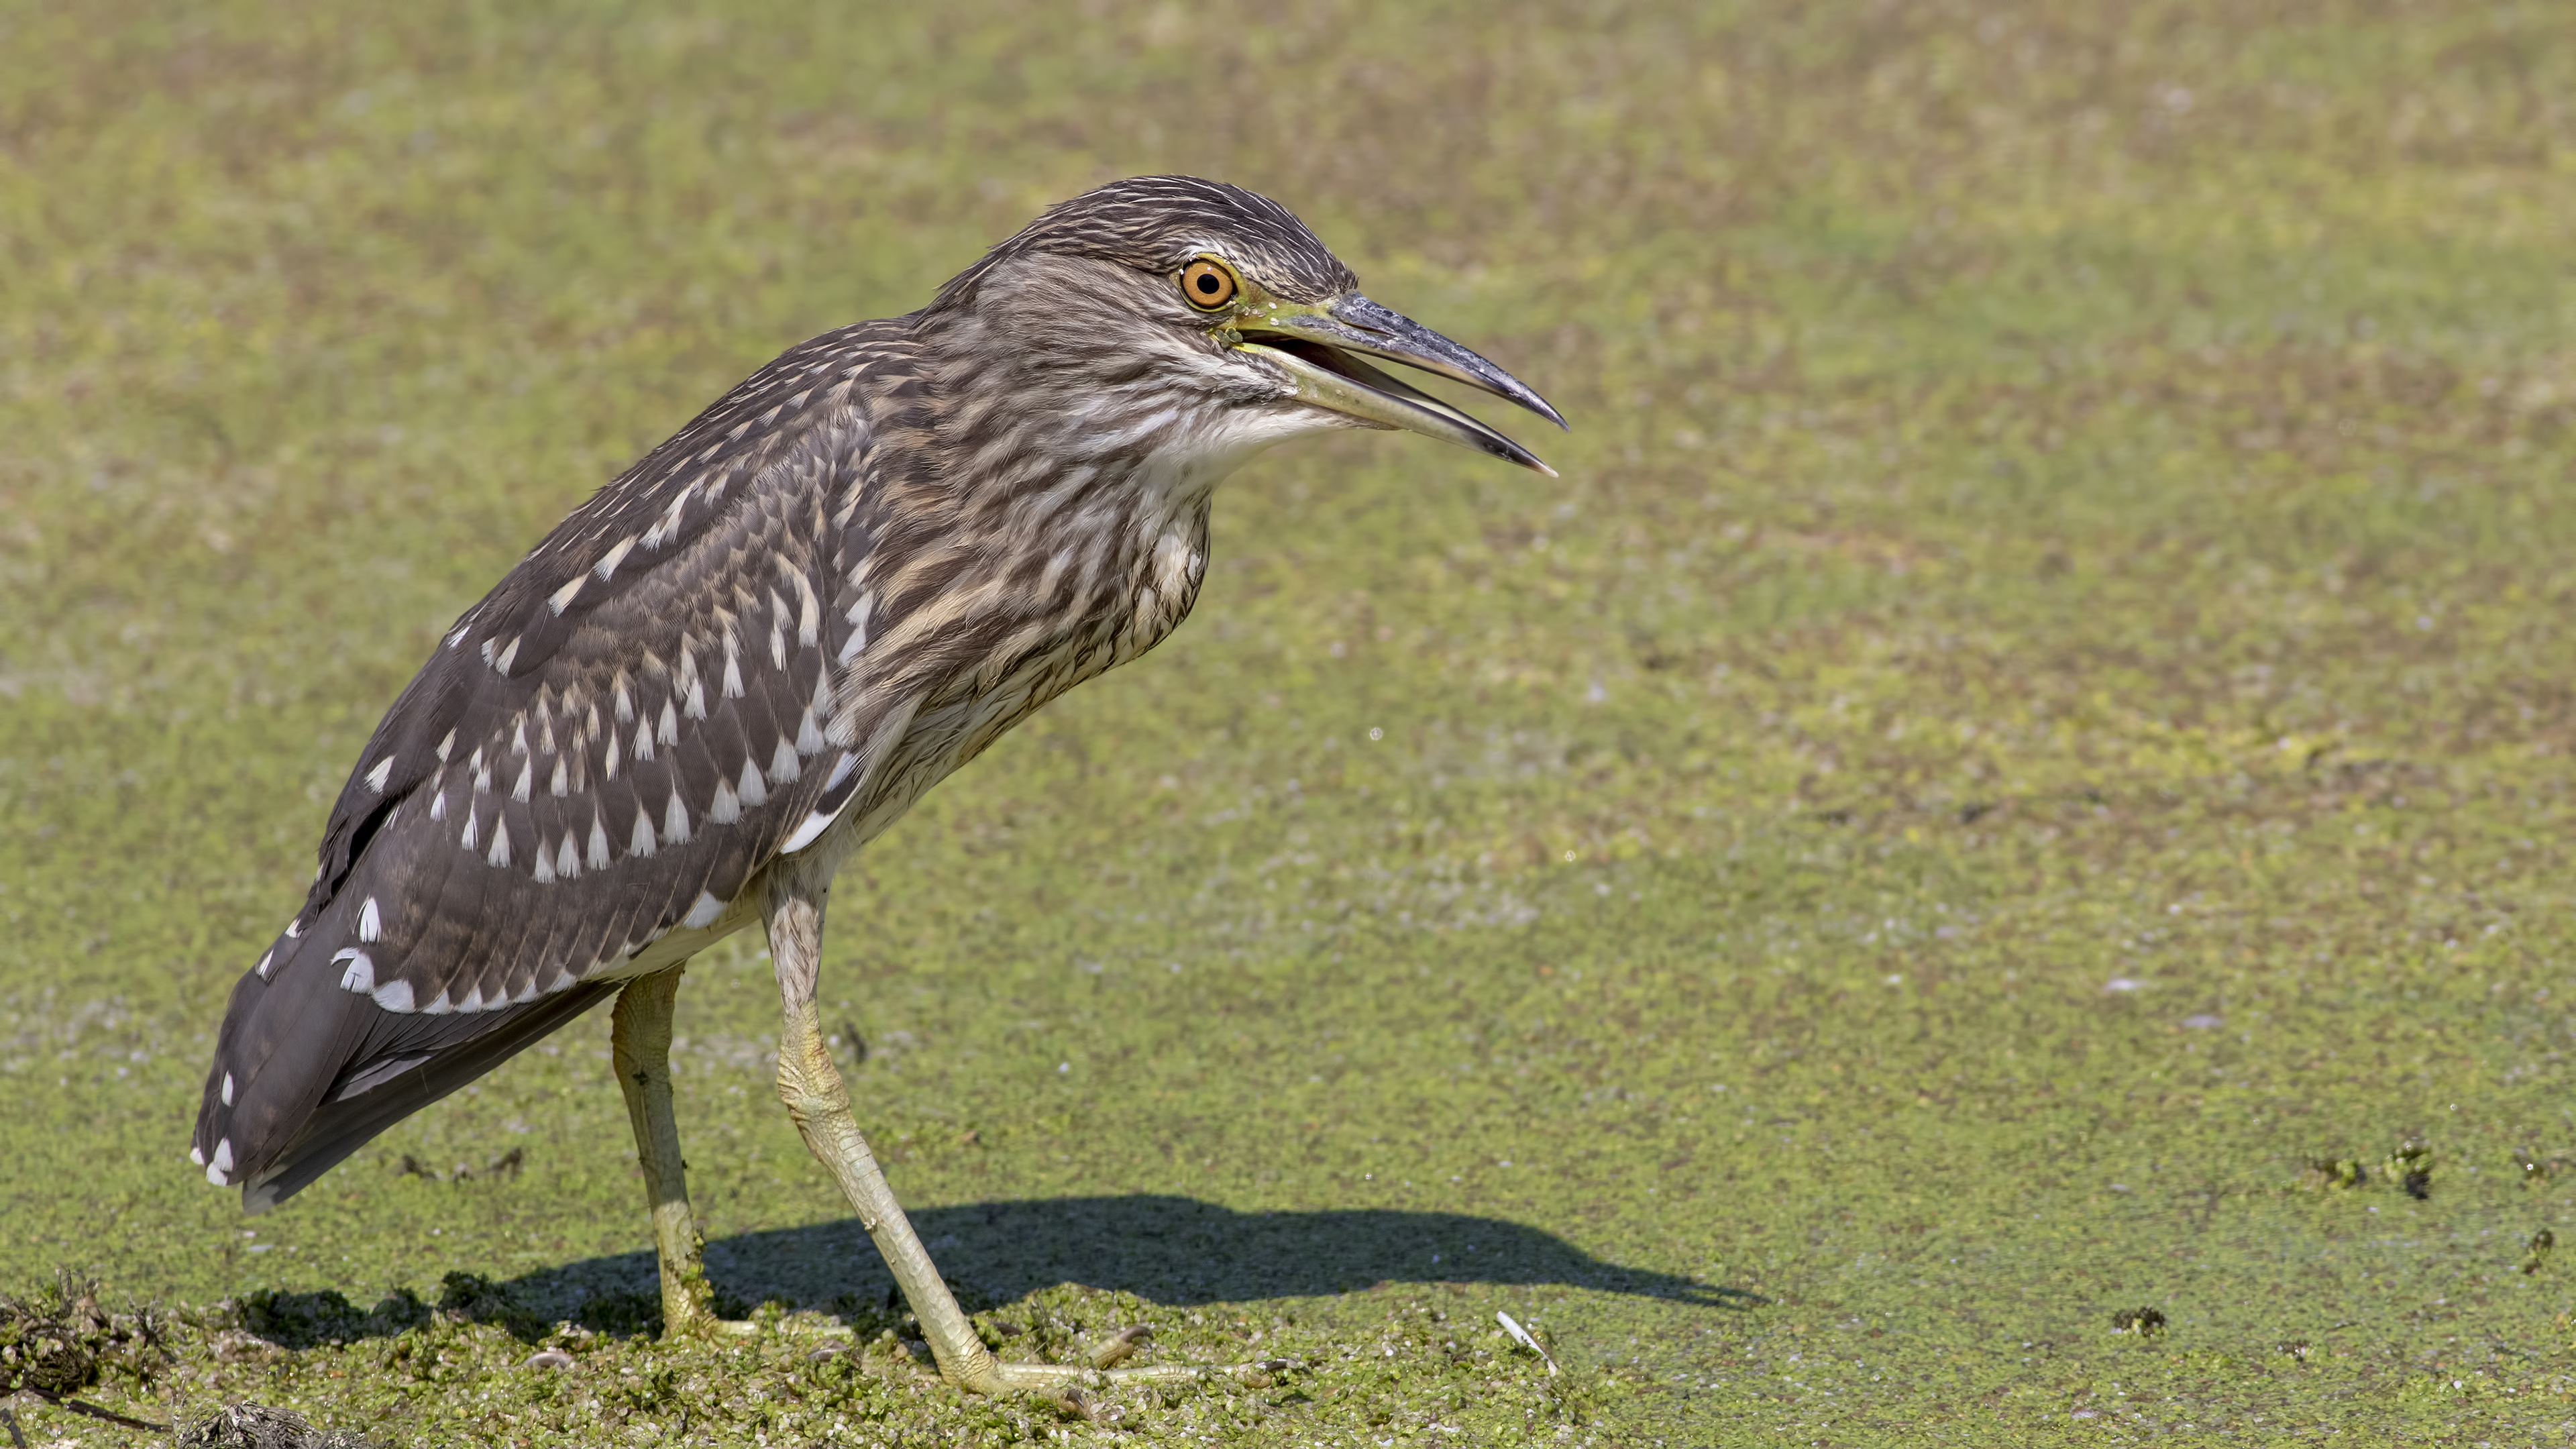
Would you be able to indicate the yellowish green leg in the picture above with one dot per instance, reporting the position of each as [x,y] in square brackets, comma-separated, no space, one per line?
[640,1045]
[810,1084]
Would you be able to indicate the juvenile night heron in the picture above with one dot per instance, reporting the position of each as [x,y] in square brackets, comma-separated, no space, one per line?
[749,654]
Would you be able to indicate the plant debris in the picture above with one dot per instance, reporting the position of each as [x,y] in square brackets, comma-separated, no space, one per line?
[60,1341]
[2410,1166]
[2144,1322]
[253,1426]
[502,1164]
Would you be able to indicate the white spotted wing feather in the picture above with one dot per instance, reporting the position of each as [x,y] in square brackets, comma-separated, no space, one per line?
[605,749]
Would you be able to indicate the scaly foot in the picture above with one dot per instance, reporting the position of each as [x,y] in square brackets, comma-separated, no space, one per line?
[1064,1383]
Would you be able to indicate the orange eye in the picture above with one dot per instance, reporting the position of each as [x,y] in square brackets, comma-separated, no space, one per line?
[1207,285]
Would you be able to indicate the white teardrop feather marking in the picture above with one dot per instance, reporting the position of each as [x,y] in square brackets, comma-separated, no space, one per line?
[615,556]
[809,609]
[819,821]
[858,640]
[806,834]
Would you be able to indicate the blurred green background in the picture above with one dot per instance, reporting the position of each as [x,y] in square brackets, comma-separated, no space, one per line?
[2036,715]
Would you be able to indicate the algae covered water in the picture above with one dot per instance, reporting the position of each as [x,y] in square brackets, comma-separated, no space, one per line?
[1988,864]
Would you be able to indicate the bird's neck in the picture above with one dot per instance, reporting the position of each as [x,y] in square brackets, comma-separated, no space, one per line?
[1083,480]
[1105,459]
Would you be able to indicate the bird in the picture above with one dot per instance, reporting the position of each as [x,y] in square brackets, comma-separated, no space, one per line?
[748,654]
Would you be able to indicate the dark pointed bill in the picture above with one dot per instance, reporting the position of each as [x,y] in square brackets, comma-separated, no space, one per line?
[1317,350]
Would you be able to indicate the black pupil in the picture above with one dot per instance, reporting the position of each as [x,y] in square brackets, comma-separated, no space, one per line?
[1209,285]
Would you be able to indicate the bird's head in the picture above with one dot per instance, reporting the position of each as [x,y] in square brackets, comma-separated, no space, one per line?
[1166,301]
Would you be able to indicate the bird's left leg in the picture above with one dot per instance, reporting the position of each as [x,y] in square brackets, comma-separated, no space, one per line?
[811,1086]
[640,1046]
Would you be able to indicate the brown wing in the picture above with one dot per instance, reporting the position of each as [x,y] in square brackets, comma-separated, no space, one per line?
[607,747]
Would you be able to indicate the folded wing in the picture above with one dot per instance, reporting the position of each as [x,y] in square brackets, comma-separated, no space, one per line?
[605,749]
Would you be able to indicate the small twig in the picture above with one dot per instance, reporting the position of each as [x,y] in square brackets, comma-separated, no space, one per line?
[1512,1327]
[11,1420]
[80,1406]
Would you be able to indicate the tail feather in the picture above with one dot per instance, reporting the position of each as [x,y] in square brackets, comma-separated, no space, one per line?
[306,1070]
[389,1086]
[288,1031]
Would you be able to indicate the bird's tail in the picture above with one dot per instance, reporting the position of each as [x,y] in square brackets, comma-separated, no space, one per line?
[347,1120]
[287,1035]
[305,1073]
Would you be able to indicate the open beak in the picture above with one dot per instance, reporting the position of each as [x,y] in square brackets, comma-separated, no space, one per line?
[1320,347]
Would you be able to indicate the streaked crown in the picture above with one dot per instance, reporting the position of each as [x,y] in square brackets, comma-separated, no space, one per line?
[1158,223]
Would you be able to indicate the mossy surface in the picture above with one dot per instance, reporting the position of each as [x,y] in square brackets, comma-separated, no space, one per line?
[1989,865]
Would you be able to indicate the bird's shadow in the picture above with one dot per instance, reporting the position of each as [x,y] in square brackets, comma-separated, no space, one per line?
[1164,1249]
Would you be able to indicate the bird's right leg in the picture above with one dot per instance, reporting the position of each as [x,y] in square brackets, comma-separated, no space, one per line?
[810,1084]
[640,1044]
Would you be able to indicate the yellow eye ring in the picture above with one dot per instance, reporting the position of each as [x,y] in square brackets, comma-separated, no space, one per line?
[1206,285]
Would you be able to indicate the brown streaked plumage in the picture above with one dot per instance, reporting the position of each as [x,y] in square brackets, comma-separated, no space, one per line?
[752,651]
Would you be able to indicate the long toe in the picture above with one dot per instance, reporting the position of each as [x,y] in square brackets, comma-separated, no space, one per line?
[1054,1380]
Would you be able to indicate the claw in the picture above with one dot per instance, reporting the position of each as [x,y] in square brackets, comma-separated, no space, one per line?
[1074,1404]
[1119,1345]
[1262,1373]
